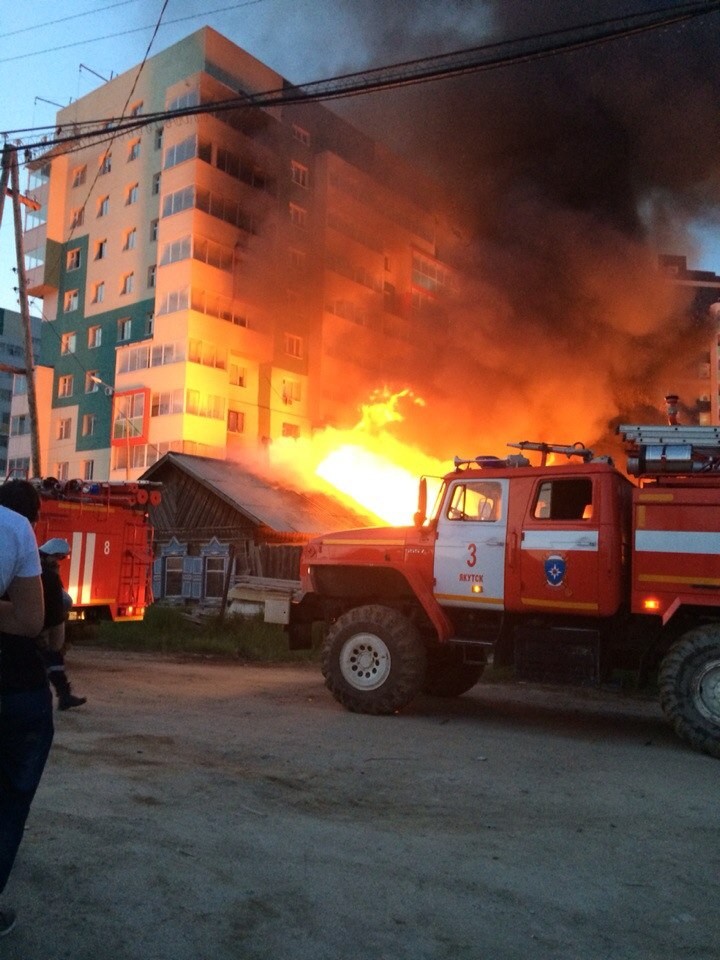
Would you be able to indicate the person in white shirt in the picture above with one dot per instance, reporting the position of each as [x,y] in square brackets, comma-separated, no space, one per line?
[19,576]
[26,717]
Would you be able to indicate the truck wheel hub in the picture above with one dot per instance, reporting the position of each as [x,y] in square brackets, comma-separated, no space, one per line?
[365,661]
[707,691]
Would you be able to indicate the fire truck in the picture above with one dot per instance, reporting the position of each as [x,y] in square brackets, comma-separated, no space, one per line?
[563,570]
[108,572]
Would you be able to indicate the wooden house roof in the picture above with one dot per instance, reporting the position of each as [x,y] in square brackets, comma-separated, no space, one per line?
[252,498]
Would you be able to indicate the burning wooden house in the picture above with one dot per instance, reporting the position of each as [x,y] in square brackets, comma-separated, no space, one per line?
[218,520]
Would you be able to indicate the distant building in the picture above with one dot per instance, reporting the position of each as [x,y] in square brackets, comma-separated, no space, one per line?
[12,357]
[699,389]
[218,280]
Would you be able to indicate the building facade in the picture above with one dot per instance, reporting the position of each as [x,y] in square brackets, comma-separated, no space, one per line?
[215,281]
[699,389]
[15,423]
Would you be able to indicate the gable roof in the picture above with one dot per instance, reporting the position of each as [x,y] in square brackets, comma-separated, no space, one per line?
[261,500]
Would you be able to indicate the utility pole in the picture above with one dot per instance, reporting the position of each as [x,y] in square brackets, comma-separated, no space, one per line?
[10,170]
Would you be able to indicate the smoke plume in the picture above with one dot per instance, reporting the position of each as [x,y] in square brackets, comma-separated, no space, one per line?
[569,175]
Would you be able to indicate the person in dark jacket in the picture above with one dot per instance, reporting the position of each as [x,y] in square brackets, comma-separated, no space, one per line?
[52,639]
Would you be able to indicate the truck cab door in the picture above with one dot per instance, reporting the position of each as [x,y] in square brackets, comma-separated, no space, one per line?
[469,560]
[560,548]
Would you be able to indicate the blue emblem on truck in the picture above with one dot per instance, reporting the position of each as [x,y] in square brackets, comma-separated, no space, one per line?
[555,568]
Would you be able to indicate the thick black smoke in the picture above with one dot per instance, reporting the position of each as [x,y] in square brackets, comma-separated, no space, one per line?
[572,173]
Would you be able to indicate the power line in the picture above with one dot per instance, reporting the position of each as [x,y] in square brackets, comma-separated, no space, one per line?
[72,16]
[420,70]
[124,33]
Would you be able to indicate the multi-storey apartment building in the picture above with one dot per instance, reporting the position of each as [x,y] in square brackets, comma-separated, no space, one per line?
[698,386]
[12,358]
[215,281]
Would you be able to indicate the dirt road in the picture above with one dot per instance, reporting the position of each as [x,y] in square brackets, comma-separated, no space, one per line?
[196,810]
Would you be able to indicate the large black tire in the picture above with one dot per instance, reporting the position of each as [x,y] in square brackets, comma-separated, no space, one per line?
[689,683]
[373,660]
[448,675]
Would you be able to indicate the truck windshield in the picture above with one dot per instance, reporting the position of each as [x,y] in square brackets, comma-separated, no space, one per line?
[478,500]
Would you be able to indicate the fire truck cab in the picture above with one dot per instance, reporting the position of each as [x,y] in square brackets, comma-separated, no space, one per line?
[565,571]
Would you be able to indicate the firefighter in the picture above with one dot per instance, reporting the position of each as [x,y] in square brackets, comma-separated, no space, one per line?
[52,639]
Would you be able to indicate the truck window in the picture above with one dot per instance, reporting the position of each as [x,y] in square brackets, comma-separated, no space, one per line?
[569,499]
[477,501]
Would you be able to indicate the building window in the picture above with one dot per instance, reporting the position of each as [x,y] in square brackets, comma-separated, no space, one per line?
[149,324]
[299,174]
[162,404]
[135,109]
[62,470]
[291,430]
[103,206]
[65,386]
[154,230]
[72,261]
[293,346]
[129,415]
[214,576]
[19,425]
[70,301]
[99,292]
[124,328]
[68,342]
[130,239]
[301,135]
[131,195]
[77,217]
[173,576]
[101,249]
[235,421]
[128,283]
[134,150]
[94,336]
[291,391]
[106,163]
[236,374]
[78,176]
[64,428]
[155,189]
[88,469]
[89,421]
[91,385]
[298,215]
[151,274]
[179,249]
[158,138]
[19,467]
[429,275]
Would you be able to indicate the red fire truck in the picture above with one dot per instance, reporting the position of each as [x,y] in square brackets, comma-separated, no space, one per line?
[106,524]
[563,571]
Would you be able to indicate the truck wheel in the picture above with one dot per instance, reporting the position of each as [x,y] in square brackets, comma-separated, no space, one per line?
[448,675]
[689,683]
[373,660]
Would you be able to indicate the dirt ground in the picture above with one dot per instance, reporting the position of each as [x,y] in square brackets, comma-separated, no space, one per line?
[202,810]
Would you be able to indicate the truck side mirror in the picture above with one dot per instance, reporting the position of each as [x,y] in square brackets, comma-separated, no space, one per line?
[421,514]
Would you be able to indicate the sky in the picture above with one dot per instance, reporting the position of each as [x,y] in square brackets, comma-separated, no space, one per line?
[575,170]
[58,52]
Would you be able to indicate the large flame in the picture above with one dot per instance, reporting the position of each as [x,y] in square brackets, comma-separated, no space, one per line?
[366,466]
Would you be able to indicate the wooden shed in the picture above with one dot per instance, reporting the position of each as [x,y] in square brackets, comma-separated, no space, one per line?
[218,520]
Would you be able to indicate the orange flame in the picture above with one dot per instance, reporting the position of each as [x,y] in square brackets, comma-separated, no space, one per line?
[366,466]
